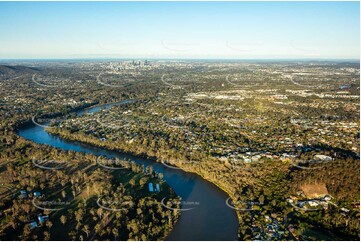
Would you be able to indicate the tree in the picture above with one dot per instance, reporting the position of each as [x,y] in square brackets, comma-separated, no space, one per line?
[72,235]
[49,224]
[261,199]
[63,219]
[26,232]
[97,228]
[132,182]
[143,181]
[86,230]
[79,215]
[115,233]
[46,235]
[100,212]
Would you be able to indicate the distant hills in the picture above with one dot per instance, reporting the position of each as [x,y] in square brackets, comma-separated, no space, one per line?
[7,70]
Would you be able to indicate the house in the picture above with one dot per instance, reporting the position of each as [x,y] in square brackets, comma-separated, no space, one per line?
[37,194]
[267,218]
[322,158]
[327,197]
[300,204]
[256,158]
[345,86]
[313,203]
[247,160]
[270,228]
[345,210]
[42,219]
[33,225]
[23,194]
[150,187]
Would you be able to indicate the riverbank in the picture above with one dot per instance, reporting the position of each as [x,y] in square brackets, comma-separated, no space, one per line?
[106,145]
[196,190]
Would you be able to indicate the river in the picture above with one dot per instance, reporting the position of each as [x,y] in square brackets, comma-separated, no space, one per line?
[210,218]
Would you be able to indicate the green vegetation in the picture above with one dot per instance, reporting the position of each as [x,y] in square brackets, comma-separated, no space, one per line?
[255,130]
[73,192]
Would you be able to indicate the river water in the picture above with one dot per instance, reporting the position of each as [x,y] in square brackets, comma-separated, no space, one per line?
[209,219]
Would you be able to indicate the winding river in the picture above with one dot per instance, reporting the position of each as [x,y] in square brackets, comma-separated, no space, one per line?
[210,218]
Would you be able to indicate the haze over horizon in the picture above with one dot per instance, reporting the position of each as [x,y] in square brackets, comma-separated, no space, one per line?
[180,30]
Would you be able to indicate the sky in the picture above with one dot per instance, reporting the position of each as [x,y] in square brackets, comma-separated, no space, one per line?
[195,30]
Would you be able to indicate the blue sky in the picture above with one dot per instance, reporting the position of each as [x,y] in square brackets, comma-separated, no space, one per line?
[232,30]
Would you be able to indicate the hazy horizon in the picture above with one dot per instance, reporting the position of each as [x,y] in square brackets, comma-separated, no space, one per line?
[180,30]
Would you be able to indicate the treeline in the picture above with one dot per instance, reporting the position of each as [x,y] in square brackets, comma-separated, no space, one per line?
[76,190]
[271,181]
